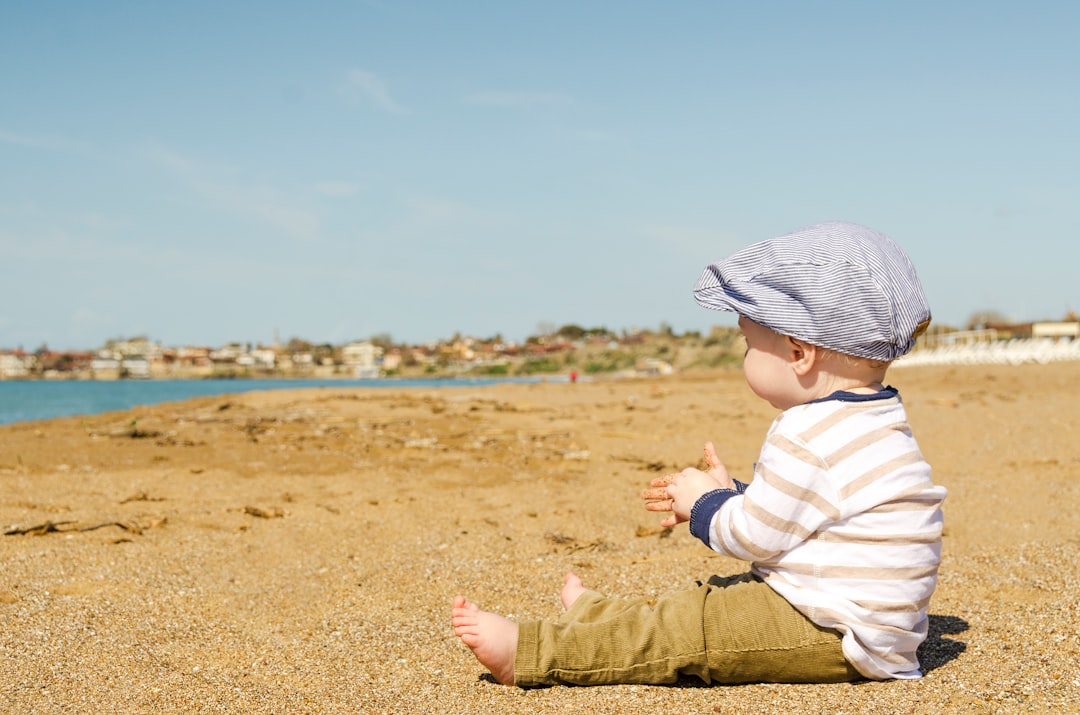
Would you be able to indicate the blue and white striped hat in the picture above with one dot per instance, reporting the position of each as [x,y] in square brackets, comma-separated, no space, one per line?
[836,285]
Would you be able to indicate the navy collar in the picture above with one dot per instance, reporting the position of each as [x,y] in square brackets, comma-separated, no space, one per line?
[844,396]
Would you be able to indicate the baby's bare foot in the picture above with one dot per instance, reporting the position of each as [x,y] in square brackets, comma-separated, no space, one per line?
[572,588]
[492,638]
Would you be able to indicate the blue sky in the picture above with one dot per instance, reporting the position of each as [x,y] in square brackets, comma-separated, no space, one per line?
[204,172]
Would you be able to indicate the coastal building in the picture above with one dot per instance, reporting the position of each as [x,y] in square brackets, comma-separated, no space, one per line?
[392,359]
[193,361]
[140,346]
[135,366]
[105,365]
[15,364]
[362,358]
[264,358]
[1059,329]
[303,361]
[227,353]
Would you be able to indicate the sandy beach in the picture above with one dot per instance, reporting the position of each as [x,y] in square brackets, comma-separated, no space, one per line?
[297,551]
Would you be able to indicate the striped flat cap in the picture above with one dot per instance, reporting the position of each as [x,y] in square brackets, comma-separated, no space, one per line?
[836,285]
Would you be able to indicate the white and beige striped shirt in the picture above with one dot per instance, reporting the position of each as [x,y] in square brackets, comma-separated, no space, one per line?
[843,521]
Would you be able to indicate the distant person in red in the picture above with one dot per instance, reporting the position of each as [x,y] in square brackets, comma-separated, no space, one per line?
[573,376]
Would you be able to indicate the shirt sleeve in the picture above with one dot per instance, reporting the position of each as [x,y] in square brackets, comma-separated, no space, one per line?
[789,500]
[705,508]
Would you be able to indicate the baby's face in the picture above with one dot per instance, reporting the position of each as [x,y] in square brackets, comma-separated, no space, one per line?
[767,365]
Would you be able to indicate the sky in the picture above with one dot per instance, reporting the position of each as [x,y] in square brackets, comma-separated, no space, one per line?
[208,172]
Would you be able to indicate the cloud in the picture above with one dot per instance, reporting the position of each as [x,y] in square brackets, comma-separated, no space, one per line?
[691,241]
[519,100]
[42,141]
[84,318]
[61,245]
[596,135]
[101,222]
[171,160]
[264,204]
[433,211]
[363,85]
[338,189]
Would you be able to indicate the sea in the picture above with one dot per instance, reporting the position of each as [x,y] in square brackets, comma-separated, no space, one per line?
[28,400]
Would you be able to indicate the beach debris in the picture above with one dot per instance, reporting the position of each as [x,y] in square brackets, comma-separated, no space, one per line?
[663,531]
[138,433]
[653,465]
[131,432]
[62,527]
[141,496]
[49,527]
[573,545]
[268,513]
[422,442]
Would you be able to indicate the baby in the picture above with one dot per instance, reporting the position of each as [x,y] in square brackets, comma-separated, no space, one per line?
[841,523]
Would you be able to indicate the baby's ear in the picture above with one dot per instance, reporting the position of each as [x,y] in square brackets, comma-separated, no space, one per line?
[801,355]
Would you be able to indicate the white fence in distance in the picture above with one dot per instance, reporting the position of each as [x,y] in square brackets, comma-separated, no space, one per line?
[1001,352]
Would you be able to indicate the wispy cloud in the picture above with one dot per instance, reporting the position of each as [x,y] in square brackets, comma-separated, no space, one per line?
[519,100]
[43,141]
[55,243]
[171,160]
[84,320]
[98,221]
[338,189]
[429,211]
[691,240]
[360,84]
[264,204]
[596,135]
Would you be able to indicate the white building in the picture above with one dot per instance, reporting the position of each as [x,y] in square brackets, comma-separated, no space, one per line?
[15,365]
[135,366]
[1056,330]
[363,358]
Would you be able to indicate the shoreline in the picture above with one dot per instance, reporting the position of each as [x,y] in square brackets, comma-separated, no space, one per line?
[36,400]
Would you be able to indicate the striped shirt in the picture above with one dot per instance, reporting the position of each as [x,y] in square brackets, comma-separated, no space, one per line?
[843,521]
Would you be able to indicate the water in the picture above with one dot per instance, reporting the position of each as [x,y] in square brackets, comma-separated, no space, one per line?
[22,401]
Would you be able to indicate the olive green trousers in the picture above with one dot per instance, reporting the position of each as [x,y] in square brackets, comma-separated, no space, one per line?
[728,630]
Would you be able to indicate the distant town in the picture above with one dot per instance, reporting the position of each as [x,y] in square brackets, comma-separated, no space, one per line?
[570,350]
[566,350]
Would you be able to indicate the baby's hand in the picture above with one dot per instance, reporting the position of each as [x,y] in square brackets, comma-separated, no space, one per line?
[686,488]
[677,493]
[658,499]
[717,470]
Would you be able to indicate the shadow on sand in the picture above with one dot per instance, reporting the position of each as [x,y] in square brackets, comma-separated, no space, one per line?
[937,650]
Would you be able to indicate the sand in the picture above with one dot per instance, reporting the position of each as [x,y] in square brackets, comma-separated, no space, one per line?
[297,551]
